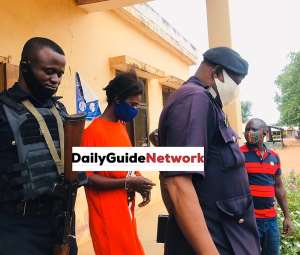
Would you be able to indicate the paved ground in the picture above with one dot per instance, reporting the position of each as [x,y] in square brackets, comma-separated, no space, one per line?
[147,217]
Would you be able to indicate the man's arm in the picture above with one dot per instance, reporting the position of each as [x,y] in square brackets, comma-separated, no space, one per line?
[189,215]
[188,122]
[282,201]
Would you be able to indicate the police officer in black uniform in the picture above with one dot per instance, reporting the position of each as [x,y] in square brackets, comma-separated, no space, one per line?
[211,212]
[28,172]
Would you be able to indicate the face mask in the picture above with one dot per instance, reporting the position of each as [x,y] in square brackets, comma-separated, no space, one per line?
[125,111]
[212,92]
[37,89]
[228,90]
[253,137]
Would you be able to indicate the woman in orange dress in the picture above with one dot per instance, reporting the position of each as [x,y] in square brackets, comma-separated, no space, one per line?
[111,219]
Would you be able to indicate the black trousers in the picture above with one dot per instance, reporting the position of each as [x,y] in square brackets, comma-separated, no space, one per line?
[176,244]
[28,235]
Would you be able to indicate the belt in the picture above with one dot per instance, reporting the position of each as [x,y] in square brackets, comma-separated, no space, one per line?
[35,207]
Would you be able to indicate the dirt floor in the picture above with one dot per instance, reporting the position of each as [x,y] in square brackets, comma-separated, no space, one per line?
[147,217]
[290,156]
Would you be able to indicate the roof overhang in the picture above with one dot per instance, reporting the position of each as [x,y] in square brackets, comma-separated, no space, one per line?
[144,18]
[150,23]
[104,5]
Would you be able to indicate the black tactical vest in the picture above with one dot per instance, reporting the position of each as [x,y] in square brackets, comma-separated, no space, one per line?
[35,173]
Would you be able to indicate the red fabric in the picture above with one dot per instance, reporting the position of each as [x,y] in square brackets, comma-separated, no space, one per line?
[261,168]
[244,148]
[265,213]
[262,191]
[112,229]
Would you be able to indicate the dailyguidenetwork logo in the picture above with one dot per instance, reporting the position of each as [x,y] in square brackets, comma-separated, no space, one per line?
[138,159]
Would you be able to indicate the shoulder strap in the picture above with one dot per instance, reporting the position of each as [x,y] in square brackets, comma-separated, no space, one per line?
[59,161]
[61,134]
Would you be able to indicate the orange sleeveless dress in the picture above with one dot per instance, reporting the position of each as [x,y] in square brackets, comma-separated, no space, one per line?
[112,223]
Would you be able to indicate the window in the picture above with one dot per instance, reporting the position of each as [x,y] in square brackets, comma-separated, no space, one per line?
[166,92]
[138,127]
[139,133]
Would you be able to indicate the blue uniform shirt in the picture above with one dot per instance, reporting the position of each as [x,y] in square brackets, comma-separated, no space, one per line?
[192,117]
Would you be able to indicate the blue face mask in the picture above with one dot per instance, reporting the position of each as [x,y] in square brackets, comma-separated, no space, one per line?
[125,111]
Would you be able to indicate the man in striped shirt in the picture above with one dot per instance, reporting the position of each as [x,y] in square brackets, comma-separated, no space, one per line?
[264,172]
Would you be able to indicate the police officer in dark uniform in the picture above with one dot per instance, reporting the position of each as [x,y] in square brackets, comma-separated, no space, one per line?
[28,172]
[211,212]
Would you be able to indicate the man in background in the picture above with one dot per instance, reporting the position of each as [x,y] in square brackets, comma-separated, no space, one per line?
[264,172]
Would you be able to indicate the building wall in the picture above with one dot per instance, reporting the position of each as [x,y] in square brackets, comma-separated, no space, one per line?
[89,40]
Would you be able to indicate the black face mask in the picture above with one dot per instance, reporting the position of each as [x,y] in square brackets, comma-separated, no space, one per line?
[37,89]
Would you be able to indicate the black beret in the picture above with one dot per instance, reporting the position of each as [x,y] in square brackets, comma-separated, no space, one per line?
[227,58]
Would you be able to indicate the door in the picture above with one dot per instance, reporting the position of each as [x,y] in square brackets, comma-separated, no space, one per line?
[8,75]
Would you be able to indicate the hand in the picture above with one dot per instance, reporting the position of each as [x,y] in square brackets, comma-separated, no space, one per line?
[287,226]
[146,198]
[131,196]
[139,184]
[154,137]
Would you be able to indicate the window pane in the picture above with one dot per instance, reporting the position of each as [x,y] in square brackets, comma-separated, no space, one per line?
[166,91]
[141,128]
[144,100]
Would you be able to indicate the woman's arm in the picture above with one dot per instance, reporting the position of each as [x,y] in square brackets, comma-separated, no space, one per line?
[135,183]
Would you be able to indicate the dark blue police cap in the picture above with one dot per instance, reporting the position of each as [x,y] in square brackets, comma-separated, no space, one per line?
[227,58]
